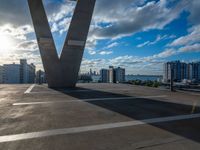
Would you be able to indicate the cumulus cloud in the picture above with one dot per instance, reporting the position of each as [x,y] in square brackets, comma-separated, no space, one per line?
[194,9]
[19,32]
[28,45]
[123,20]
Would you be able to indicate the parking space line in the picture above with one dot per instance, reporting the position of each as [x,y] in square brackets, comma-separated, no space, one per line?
[58,92]
[29,89]
[89,100]
[75,130]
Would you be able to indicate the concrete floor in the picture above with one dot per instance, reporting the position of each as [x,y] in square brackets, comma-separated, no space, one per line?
[98,116]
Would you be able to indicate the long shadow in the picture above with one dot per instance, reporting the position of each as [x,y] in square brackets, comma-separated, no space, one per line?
[141,108]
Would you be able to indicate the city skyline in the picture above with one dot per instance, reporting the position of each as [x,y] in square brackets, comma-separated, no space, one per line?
[135,39]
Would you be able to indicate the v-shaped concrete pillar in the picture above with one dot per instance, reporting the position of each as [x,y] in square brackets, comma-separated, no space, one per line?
[62,72]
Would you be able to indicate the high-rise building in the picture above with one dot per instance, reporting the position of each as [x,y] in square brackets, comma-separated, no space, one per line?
[194,71]
[40,77]
[181,71]
[31,76]
[27,72]
[11,74]
[18,73]
[1,74]
[113,75]
[23,71]
[119,75]
[90,71]
[104,75]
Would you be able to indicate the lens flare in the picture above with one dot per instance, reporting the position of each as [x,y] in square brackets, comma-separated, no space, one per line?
[6,44]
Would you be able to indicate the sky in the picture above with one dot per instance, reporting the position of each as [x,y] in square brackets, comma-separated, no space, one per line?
[139,35]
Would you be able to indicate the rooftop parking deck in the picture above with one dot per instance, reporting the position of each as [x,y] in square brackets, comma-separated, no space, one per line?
[98,116]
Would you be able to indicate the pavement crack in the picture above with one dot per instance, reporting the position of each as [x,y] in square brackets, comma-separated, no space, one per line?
[164,142]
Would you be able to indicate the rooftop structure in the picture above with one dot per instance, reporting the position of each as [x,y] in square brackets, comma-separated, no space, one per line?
[62,72]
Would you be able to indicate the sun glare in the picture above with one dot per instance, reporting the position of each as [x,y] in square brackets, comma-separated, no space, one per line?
[6,44]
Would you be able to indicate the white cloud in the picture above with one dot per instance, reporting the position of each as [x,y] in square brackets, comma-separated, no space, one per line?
[124,20]
[190,48]
[28,45]
[192,37]
[19,32]
[114,44]
[166,53]
[105,52]
[143,44]
[146,65]
[158,39]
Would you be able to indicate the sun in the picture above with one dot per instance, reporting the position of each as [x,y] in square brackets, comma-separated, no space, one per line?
[6,43]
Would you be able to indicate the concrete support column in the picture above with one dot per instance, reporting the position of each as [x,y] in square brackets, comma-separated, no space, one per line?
[62,72]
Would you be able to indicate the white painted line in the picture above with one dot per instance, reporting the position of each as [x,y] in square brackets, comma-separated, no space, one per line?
[49,91]
[29,89]
[88,100]
[74,130]
[58,92]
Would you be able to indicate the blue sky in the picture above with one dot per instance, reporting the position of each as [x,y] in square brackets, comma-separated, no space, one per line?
[139,35]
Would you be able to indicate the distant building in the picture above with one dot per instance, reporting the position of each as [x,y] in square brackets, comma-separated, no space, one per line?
[113,75]
[181,71]
[92,73]
[11,74]
[1,74]
[194,71]
[40,77]
[32,75]
[27,72]
[120,75]
[18,73]
[104,75]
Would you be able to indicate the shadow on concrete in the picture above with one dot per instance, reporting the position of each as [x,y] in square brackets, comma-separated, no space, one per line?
[141,108]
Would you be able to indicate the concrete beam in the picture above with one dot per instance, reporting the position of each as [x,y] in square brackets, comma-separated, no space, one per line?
[62,72]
